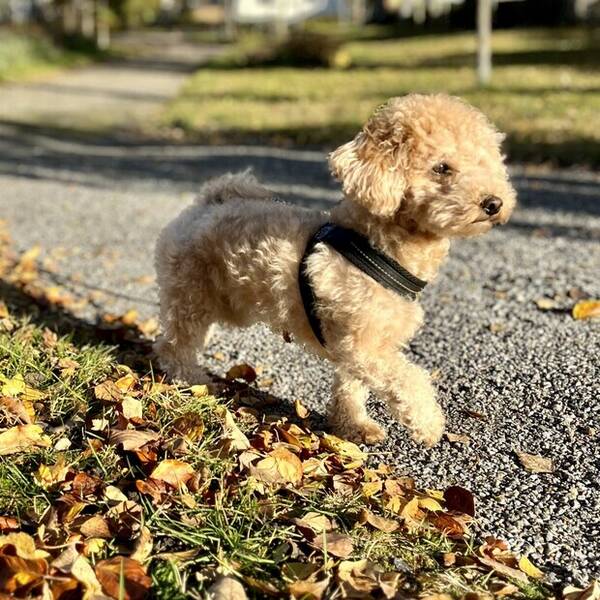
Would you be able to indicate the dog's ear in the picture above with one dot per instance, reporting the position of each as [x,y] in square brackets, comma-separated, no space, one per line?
[372,167]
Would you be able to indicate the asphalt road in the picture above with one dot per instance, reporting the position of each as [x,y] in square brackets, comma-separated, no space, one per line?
[532,375]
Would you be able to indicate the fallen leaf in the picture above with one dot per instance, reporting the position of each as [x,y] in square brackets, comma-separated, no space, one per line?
[586,309]
[22,410]
[301,410]
[126,383]
[74,564]
[24,546]
[430,504]
[130,317]
[279,466]
[22,438]
[199,391]
[190,426]
[114,494]
[529,568]
[174,472]
[315,522]
[381,523]
[494,554]
[131,439]
[143,546]
[95,527]
[8,524]
[535,463]
[448,525]
[233,439]
[347,450]
[48,476]
[591,592]
[457,438]
[13,386]
[460,500]
[308,590]
[107,391]
[243,371]
[131,408]
[336,544]
[123,578]
[547,304]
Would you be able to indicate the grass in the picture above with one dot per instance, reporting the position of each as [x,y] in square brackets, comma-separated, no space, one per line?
[25,54]
[208,486]
[545,91]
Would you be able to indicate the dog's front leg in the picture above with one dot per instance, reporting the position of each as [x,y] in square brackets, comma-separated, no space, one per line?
[407,390]
[347,413]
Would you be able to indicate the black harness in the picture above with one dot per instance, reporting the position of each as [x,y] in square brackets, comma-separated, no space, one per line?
[358,250]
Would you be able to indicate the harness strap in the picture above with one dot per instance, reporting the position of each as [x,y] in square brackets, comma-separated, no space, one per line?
[357,249]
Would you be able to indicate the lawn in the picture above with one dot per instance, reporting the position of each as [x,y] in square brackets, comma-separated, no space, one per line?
[116,482]
[545,92]
[25,54]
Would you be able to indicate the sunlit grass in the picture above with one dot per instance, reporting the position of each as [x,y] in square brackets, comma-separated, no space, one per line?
[545,92]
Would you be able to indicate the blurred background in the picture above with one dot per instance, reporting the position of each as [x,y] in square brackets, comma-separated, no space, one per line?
[306,72]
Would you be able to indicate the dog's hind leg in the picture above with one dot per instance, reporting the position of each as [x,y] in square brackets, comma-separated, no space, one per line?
[347,412]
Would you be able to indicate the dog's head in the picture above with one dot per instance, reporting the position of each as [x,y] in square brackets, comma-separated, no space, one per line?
[432,161]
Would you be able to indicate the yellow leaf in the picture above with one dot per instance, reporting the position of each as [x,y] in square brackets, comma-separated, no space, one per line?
[22,438]
[130,317]
[173,472]
[529,568]
[587,309]
[24,545]
[47,476]
[411,510]
[343,448]
[279,466]
[94,545]
[32,394]
[125,383]
[132,408]
[430,504]
[199,391]
[13,387]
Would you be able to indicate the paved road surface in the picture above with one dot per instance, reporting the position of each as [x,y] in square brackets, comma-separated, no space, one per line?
[96,207]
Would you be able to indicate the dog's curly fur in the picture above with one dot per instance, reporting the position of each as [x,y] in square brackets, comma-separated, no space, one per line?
[414,177]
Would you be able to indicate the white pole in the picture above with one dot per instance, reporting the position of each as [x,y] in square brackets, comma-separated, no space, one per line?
[484,41]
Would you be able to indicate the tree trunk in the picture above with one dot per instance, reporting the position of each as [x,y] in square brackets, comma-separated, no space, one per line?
[484,41]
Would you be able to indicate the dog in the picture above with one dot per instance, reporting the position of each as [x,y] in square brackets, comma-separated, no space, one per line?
[423,170]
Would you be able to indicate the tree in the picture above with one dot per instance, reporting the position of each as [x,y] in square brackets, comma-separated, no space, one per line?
[484,41]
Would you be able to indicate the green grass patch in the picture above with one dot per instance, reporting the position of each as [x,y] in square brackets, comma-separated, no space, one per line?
[545,92]
[25,54]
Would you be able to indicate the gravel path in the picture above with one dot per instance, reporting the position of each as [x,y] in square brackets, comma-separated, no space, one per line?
[96,208]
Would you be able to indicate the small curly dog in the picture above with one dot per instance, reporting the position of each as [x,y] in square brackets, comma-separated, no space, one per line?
[423,170]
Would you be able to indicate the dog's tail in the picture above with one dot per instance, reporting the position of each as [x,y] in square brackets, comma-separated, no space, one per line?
[232,186]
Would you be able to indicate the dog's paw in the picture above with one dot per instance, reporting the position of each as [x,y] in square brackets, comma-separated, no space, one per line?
[366,432]
[430,433]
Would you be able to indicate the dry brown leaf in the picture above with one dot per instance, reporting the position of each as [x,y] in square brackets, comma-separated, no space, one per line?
[315,522]
[448,525]
[308,590]
[501,589]
[336,544]
[358,577]
[586,309]
[243,371]
[22,410]
[107,391]
[23,544]
[132,439]
[8,524]
[591,592]
[381,523]
[279,466]
[233,438]
[457,438]
[22,438]
[460,500]
[123,578]
[19,575]
[171,471]
[494,553]
[143,546]
[95,527]
[72,563]
[301,410]
[535,463]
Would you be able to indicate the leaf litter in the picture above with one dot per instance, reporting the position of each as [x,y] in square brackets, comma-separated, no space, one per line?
[174,492]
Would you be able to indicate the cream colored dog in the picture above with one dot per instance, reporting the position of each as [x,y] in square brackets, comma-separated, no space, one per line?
[423,170]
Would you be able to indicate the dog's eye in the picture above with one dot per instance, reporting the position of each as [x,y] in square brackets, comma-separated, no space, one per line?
[442,169]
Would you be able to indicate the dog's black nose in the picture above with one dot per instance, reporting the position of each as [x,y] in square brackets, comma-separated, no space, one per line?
[491,205]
